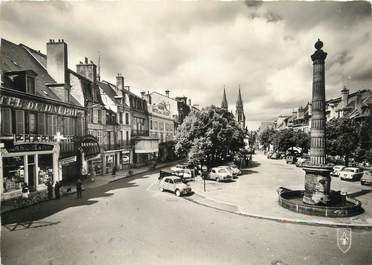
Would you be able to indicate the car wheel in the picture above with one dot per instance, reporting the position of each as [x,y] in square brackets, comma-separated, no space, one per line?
[161,189]
[178,193]
[363,183]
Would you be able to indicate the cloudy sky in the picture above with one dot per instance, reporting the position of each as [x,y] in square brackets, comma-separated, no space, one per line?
[195,48]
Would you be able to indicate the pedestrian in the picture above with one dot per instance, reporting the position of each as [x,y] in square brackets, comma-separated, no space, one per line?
[50,189]
[57,190]
[78,188]
[25,190]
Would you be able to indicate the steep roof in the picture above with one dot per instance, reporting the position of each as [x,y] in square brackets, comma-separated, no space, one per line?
[15,57]
[108,95]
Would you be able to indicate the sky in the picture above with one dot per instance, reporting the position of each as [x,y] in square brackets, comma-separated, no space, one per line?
[196,48]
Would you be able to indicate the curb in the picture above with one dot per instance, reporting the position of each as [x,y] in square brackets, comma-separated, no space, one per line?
[278,219]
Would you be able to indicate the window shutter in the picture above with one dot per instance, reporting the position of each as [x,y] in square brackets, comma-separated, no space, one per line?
[49,125]
[55,124]
[66,126]
[6,121]
[41,128]
[20,121]
[95,116]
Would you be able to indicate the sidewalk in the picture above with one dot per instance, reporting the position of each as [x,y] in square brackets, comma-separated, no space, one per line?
[254,194]
[96,182]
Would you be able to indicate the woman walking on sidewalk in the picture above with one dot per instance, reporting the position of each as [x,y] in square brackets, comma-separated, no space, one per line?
[57,190]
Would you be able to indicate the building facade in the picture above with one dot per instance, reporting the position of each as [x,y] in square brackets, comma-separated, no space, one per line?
[39,119]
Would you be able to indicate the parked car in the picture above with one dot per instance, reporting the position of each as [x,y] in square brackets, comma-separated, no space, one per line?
[179,167]
[174,184]
[336,170]
[235,169]
[302,160]
[367,177]
[220,174]
[275,155]
[231,170]
[351,173]
[291,159]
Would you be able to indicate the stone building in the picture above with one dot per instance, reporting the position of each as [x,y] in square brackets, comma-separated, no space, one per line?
[163,119]
[40,118]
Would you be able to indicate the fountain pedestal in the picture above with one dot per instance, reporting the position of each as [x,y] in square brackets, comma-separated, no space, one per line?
[317,185]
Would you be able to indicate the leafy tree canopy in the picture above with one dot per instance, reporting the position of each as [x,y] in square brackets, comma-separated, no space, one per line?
[208,135]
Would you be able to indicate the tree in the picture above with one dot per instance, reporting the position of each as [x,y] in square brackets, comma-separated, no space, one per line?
[266,137]
[302,140]
[252,137]
[209,135]
[342,137]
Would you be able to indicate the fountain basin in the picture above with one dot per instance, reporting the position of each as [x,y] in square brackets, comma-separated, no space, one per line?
[339,206]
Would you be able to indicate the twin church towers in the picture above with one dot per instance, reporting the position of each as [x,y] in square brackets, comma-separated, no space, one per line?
[239,112]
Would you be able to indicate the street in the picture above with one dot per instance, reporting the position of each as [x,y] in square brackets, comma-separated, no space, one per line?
[131,222]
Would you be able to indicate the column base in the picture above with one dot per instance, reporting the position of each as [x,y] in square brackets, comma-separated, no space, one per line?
[317,185]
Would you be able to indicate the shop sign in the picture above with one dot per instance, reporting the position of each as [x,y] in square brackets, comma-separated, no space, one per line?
[146,146]
[29,138]
[29,148]
[67,160]
[36,106]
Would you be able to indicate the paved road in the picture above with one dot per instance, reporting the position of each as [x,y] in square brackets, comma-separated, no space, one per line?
[131,222]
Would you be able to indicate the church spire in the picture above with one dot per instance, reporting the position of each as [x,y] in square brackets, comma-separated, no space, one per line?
[224,104]
[239,102]
[239,112]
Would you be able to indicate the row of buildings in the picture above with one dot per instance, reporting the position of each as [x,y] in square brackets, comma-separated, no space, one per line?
[57,123]
[356,105]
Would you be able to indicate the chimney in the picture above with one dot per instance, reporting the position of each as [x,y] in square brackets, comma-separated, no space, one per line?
[89,71]
[167,93]
[190,101]
[120,82]
[345,96]
[57,60]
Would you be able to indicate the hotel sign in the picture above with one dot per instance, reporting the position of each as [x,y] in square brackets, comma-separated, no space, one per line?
[36,106]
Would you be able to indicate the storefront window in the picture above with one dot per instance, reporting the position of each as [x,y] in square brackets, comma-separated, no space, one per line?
[45,164]
[13,173]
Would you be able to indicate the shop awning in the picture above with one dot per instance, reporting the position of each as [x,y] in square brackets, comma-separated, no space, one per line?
[89,146]
[146,144]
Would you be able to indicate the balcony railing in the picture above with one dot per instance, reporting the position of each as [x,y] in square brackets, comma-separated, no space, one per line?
[140,133]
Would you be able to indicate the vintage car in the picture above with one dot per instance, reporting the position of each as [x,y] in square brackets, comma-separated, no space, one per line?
[302,160]
[367,177]
[231,170]
[291,159]
[179,167]
[336,170]
[235,169]
[174,184]
[220,174]
[351,173]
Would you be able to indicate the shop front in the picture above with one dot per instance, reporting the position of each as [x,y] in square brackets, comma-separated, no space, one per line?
[90,155]
[146,150]
[27,164]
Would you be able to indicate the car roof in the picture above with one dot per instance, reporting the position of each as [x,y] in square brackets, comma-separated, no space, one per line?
[171,177]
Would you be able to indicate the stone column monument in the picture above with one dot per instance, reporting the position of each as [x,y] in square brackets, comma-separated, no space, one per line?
[317,178]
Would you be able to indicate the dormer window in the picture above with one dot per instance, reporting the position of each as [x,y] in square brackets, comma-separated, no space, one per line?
[30,85]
